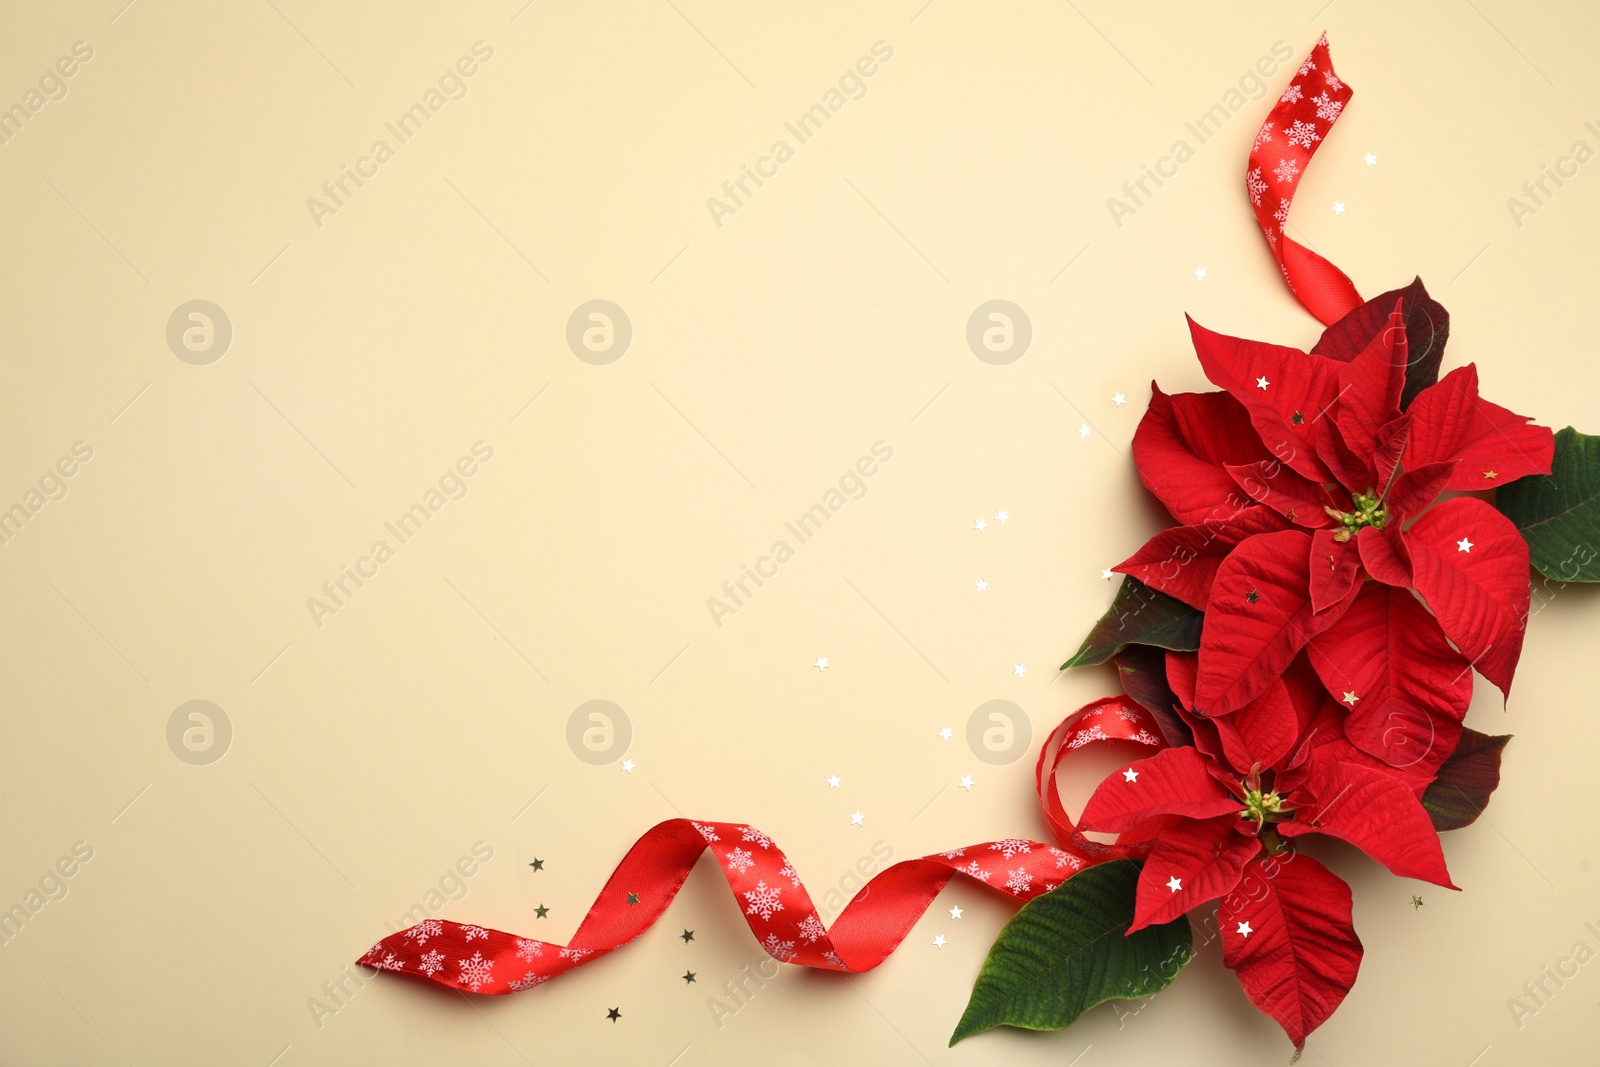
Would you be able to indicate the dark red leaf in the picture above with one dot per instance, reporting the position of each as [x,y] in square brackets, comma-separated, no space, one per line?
[1427,329]
[1287,934]
[1461,791]
[1283,388]
[1471,565]
[1143,671]
[1203,857]
[1406,689]
[1493,445]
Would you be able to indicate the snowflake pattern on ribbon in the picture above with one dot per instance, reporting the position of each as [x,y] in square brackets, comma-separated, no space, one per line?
[1297,125]
[775,905]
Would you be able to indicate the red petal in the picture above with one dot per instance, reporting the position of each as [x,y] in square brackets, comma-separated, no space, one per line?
[1411,688]
[1374,810]
[1263,731]
[1172,782]
[1389,447]
[1370,384]
[1205,856]
[1493,445]
[1246,643]
[1302,953]
[1383,554]
[1348,469]
[1181,668]
[1182,561]
[1415,489]
[1471,565]
[1335,566]
[1324,733]
[1288,492]
[1180,448]
[1296,384]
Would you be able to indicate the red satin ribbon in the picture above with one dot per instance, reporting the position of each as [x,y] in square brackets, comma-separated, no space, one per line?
[1296,126]
[764,883]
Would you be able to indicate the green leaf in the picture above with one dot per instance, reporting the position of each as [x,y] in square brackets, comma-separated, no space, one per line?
[1559,512]
[1139,616]
[1067,951]
[1461,791]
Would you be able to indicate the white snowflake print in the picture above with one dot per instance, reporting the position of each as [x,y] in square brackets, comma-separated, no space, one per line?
[706,832]
[431,963]
[1309,65]
[1327,109]
[528,981]
[833,959]
[575,953]
[1287,170]
[1011,846]
[475,932]
[1272,239]
[740,860]
[391,962]
[1282,214]
[1145,737]
[953,853]
[1083,737]
[811,928]
[763,901]
[975,871]
[1334,84]
[475,972]
[1263,135]
[1290,95]
[1064,858]
[1303,133]
[788,871]
[527,949]
[1255,185]
[782,951]
[425,929]
[750,833]
[1048,886]
[1019,881]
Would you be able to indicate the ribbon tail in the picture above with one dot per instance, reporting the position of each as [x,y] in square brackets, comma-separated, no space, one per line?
[777,908]
[1303,116]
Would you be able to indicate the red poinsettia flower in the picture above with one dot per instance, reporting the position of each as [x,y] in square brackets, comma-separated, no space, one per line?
[1258,777]
[1309,490]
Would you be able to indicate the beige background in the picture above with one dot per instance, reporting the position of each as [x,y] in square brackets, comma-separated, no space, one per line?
[768,354]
